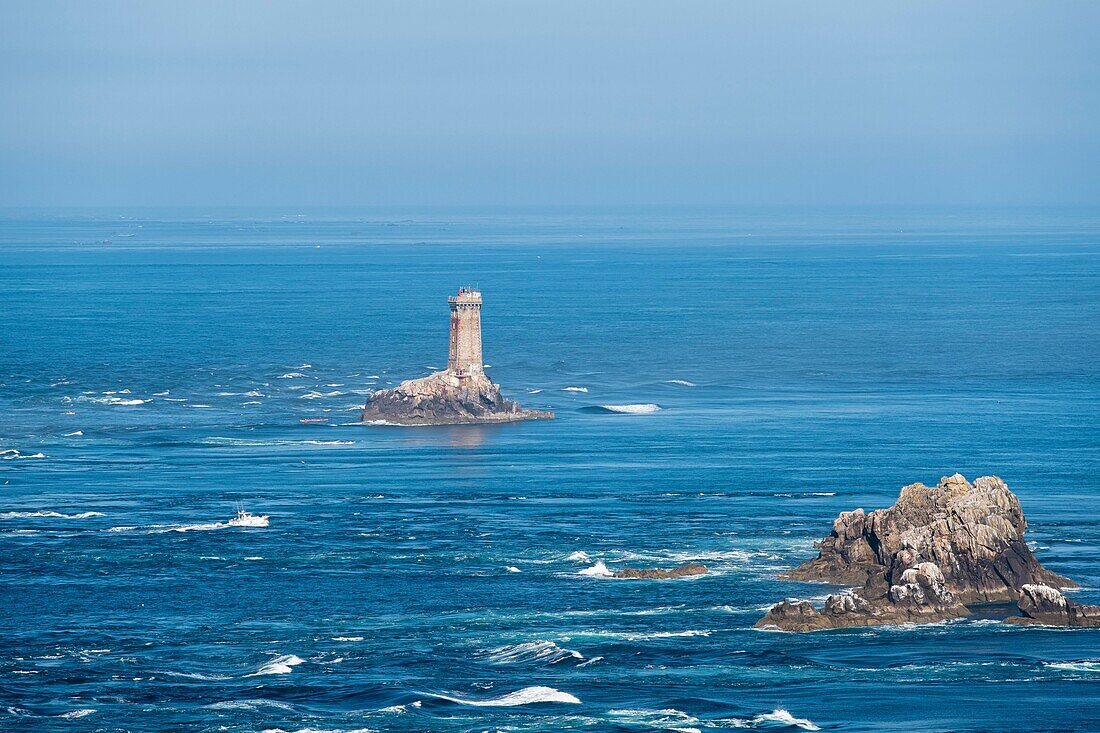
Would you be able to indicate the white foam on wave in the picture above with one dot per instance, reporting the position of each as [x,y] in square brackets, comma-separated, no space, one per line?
[823,493]
[599,570]
[283,664]
[255,443]
[634,409]
[290,375]
[319,730]
[526,696]
[12,454]
[74,434]
[313,395]
[578,556]
[574,389]
[50,514]
[665,719]
[253,704]
[542,652]
[1083,665]
[781,716]
[512,569]
[112,400]
[347,638]
[681,382]
[81,713]
[647,635]
[534,391]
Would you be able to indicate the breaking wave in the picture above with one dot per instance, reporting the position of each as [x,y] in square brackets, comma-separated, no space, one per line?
[781,716]
[574,389]
[534,652]
[526,696]
[120,401]
[631,409]
[681,382]
[1084,665]
[282,664]
[13,454]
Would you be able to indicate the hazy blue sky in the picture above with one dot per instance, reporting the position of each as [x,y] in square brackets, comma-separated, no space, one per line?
[351,103]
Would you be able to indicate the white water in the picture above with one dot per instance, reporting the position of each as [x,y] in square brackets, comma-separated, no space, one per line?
[779,715]
[526,696]
[283,664]
[634,409]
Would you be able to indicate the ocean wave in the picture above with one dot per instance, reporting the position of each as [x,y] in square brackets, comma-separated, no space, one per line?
[526,696]
[252,704]
[256,443]
[81,713]
[574,389]
[540,652]
[290,375]
[313,395]
[112,400]
[1090,666]
[578,556]
[781,716]
[823,493]
[319,730]
[512,569]
[633,409]
[282,664]
[12,454]
[347,638]
[681,382]
[50,514]
[197,676]
[74,434]
[666,719]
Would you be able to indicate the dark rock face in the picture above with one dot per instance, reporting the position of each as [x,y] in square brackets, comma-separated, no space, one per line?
[445,399]
[683,571]
[1042,605]
[921,596]
[923,559]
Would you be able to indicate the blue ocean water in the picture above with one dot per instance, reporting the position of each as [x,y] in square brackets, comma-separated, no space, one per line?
[156,367]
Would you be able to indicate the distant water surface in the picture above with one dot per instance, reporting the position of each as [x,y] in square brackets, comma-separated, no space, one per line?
[739,378]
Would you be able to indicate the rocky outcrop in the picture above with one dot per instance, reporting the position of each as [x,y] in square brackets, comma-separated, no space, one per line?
[920,596]
[973,532]
[444,398]
[683,571]
[1042,605]
[923,559]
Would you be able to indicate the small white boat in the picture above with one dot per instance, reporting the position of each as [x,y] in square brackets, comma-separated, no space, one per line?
[245,518]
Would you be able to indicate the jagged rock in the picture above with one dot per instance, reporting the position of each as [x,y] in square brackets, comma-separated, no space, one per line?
[445,398]
[921,596]
[923,559]
[682,571]
[1042,605]
[974,533]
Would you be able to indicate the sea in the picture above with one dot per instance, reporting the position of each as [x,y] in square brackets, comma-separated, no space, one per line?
[726,382]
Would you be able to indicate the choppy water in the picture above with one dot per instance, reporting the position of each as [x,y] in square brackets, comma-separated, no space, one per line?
[155,367]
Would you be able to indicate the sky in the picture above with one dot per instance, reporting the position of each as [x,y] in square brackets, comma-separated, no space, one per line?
[549,103]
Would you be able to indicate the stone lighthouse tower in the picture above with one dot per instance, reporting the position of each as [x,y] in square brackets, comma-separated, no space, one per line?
[464,355]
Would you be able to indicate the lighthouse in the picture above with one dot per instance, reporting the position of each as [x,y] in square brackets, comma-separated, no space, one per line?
[464,354]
